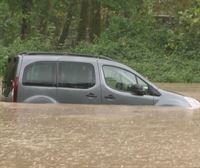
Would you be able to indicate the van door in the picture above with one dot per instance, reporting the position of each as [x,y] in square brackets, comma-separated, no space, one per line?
[78,81]
[116,87]
[38,82]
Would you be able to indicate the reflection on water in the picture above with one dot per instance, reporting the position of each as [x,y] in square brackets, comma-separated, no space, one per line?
[65,136]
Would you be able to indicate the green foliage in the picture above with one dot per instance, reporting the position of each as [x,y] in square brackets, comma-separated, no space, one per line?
[19,46]
[185,38]
[129,33]
[8,24]
[153,50]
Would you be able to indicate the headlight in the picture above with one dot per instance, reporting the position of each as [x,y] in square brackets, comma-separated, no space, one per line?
[193,102]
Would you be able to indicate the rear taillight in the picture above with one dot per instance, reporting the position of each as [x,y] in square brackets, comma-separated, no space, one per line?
[14,89]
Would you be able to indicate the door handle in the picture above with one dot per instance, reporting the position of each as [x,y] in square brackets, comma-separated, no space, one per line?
[110,97]
[91,95]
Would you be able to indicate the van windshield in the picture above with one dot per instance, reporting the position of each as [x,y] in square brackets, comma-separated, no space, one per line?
[9,74]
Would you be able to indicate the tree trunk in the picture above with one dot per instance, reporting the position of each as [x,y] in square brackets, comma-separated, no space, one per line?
[68,21]
[26,10]
[83,23]
[43,16]
[95,19]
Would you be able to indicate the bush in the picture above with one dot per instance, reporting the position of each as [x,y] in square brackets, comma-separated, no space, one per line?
[33,44]
[157,52]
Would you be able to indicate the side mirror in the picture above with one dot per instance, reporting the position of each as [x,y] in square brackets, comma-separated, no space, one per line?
[138,89]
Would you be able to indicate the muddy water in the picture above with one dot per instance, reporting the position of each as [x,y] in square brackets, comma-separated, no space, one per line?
[192,90]
[71,136]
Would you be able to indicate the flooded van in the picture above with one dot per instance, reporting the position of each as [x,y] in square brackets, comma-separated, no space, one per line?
[81,79]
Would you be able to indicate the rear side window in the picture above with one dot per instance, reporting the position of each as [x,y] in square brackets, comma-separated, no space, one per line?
[76,75]
[40,74]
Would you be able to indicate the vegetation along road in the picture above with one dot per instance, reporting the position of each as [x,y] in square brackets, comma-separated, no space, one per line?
[160,39]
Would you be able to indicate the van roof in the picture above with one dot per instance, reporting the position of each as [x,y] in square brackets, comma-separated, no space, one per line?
[64,54]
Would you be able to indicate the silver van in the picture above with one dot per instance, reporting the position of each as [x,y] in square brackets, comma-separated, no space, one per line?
[81,79]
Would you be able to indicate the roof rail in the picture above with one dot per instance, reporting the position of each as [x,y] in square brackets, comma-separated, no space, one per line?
[66,54]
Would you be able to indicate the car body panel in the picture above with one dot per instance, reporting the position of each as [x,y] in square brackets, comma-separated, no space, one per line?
[171,99]
[77,95]
[112,96]
[26,92]
[96,93]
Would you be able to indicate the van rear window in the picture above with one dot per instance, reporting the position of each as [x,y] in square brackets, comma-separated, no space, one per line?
[9,74]
[10,71]
[40,74]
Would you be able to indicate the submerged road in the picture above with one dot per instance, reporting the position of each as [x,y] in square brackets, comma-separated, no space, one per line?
[80,136]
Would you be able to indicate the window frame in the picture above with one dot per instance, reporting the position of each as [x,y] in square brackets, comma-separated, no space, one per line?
[54,82]
[121,69]
[76,62]
[136,76]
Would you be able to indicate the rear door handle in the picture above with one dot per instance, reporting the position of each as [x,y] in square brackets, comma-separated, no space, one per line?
[91,95]
[109,97]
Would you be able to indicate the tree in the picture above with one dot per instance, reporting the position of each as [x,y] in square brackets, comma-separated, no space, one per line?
[83,23]
[26,6]
[171,7]
[43,14]
[68,20]
[95,19]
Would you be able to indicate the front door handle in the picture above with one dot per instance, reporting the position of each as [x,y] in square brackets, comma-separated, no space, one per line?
[109,97]
[91,95]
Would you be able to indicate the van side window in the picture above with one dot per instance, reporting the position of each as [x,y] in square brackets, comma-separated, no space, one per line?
[119,79]
[40,74]
[76,75]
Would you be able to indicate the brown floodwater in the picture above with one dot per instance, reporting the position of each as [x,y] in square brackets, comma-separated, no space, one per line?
[100,136]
